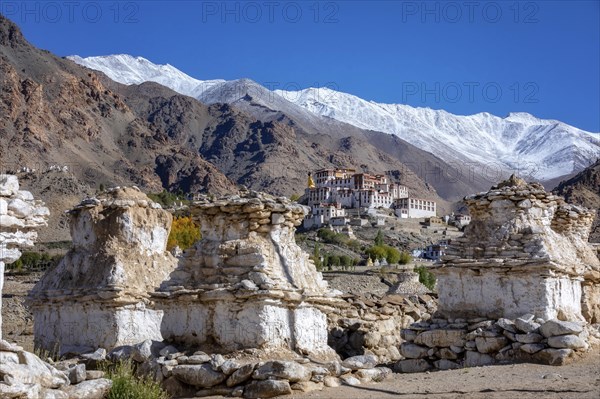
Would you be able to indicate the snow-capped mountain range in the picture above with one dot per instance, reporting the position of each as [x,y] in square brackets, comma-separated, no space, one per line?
[542,149]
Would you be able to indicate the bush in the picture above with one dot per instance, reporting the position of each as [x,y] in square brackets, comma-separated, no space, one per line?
[34,260]
[376,252]
[184,233]
[426,277]
[392,255]
[345,261]
[405,258]
[127,386]
[294,197]
[331,237]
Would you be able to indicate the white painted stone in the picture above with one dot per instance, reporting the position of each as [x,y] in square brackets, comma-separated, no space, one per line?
[77,326]
[20,208]
[9,185]
[93,389]
[460,295]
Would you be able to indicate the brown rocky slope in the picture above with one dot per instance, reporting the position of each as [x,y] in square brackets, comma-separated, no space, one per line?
[53,111]
[584,189]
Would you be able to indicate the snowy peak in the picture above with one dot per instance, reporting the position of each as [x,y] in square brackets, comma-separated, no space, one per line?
[130,70]
[520,142]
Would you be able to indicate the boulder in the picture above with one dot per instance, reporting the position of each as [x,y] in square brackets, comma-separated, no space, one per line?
[9,185]
[240,375]
[553,357]
[440,338]
[413,351]
[32,370]
[76,373]
[94,389]
[376,374]
[526,326]
[490,345]
[476,359]
[290,371]
[349,379]
[331,382]
[267,389]
[530,338]
[412,366]
[198,375]
[567,342]
[360,362]
[445,364]
[229,366]
[558,327]
[532,348]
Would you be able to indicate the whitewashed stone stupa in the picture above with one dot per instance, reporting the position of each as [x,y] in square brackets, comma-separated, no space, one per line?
[525,251]
[98,295]
[246,284]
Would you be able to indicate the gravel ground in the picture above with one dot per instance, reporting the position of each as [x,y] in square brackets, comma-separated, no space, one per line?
[578,380]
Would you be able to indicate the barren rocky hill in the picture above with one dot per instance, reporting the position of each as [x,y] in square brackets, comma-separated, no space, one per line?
[54,111]
[584,189]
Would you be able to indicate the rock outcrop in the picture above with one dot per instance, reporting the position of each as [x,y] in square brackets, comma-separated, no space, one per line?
[525,251]
[98,295]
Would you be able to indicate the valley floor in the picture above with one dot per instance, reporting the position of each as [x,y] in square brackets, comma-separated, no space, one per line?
[578,380]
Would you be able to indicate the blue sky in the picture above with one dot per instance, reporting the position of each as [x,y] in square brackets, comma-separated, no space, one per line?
[541,57]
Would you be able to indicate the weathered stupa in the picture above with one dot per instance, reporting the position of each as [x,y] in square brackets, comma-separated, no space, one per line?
[98,295]
[246,284]
[20,215]
[510,289]
[525,251]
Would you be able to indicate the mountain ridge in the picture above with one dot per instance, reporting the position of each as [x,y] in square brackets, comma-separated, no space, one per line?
[519,142]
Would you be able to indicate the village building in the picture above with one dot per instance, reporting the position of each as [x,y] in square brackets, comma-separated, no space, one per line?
[415,208]
[436,251]
[352,190]
[342,193]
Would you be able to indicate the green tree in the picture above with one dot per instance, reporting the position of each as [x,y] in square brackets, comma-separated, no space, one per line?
[334,260]
[316,257]
[294,197]
[326,262]
[184,233]
[392,255]
[376,252]
[379,238]
[426,277]
[345,262]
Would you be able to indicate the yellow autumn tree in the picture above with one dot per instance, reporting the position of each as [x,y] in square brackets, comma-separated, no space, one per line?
[184,233]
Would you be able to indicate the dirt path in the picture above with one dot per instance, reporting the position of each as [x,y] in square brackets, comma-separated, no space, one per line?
[578,380]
